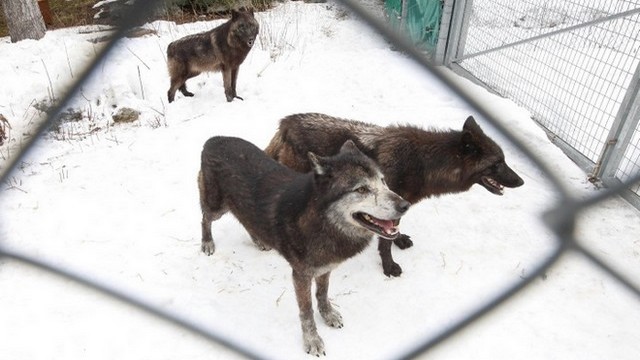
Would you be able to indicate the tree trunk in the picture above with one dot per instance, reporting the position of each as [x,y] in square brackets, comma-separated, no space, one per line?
[24,19]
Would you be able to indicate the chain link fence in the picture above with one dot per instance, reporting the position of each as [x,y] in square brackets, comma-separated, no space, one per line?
[561,219]
[573,64]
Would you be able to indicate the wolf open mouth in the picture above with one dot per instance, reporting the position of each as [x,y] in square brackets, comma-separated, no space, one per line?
[492,185]
[385,228]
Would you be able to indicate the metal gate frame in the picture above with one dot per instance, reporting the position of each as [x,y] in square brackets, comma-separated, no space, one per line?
[451,52]
[619,139]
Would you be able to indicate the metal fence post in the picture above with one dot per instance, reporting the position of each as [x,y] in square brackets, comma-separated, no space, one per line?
[444,32]
[619,138]
[458,30]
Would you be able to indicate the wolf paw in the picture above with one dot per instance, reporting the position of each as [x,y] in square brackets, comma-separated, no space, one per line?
[403,242]
[392,269]
[332,318]
[314,345]
[208,247]
[232,95]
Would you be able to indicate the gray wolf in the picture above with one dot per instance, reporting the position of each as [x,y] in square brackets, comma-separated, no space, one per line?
[315,220]
[223,49]
[417,163]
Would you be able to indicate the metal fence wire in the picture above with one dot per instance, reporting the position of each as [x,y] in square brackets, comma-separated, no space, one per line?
[573,64]
[561,219]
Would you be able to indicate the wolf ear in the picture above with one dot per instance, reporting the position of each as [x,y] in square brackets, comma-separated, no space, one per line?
[316,163]
[470,125]
[469,132]
[350,147]
[235,13]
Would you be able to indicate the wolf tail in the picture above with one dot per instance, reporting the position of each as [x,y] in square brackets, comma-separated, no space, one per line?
[276,146]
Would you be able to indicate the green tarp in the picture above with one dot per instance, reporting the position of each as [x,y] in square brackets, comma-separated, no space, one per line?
[422,22]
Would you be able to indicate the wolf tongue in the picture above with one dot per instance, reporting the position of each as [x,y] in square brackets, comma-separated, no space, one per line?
[386,225]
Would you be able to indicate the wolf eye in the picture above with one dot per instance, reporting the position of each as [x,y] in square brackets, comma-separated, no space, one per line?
[362,190]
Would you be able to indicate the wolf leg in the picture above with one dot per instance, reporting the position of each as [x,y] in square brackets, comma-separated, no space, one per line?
[179,75]
[208,247]
[330,315]
[234,79]
[212,207]
[313,343]
[184,91]
[171,94]
[229,77]
[183,88]
[403,241]
[389,267]
[226,81]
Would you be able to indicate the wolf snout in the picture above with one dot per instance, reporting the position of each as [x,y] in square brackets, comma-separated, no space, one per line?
[517,181]
[507,177]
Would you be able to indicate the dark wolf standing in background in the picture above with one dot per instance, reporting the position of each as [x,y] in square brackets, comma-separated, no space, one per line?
[416,163]
[222,49]
[315,220]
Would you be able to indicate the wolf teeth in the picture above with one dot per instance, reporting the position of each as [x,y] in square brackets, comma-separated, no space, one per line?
[370,219]
[495,183]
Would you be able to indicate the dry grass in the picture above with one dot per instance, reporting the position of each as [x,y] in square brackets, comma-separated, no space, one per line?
[66,13]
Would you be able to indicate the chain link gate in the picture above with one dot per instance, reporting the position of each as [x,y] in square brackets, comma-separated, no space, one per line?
[573,64]
[561,219]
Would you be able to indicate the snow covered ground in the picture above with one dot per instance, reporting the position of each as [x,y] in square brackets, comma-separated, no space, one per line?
[119,203]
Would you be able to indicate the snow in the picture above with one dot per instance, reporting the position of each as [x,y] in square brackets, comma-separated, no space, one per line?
[119,204]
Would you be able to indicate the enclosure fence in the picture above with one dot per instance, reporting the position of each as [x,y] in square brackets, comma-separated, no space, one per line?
[574,64]
[561,219]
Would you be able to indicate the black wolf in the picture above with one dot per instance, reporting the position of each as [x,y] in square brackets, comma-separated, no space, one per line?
[416,163]
[315,220]
[222,49]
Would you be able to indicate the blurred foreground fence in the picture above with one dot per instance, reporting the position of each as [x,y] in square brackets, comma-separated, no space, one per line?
[589,116]
[573,64]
